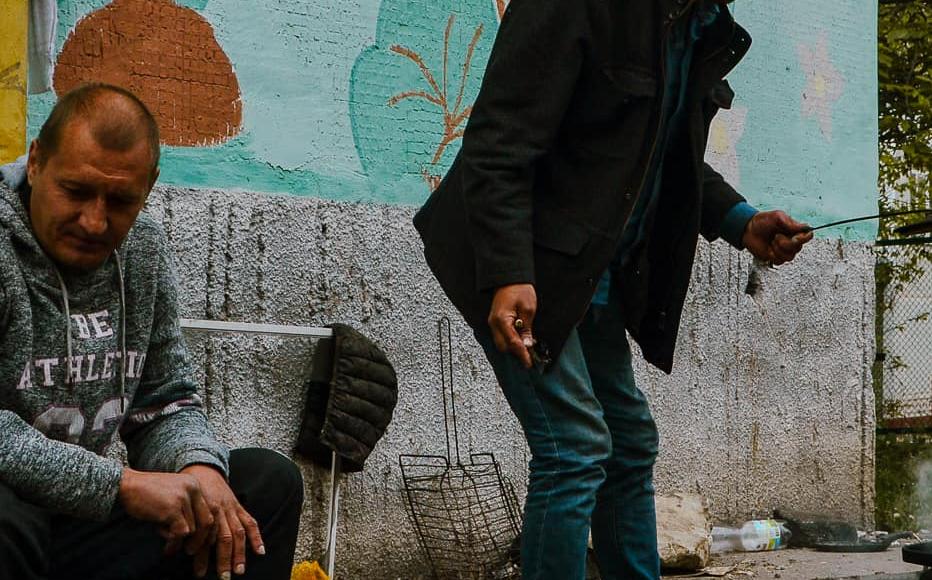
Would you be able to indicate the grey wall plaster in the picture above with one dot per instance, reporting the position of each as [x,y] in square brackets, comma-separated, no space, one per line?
[770,404]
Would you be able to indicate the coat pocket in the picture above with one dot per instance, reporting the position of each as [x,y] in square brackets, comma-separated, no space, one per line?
[555,231]
[615,114]
[631,82]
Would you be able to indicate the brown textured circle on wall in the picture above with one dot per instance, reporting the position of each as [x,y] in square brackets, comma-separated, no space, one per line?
[165,54]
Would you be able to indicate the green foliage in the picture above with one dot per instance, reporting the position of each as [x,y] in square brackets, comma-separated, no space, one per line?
[904,461]
[905,74]
[904,55]
[904,472]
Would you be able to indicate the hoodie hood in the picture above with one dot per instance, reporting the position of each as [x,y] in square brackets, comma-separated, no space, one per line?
[14,174]
[13,214]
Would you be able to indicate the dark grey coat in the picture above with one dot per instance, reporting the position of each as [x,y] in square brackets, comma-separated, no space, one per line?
[555,155]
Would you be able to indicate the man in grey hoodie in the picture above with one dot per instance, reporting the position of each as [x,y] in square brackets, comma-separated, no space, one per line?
[90,344]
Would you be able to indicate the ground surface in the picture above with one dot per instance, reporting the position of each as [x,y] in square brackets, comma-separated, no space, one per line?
[812,565]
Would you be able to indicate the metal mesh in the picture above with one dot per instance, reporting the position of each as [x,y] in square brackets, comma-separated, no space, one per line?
[466,516]
[907,346]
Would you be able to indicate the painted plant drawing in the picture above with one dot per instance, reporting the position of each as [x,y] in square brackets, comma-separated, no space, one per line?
[411,92]
[438,94]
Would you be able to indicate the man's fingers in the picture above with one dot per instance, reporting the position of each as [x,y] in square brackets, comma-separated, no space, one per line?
[514,306]
[803,238]
[179,526]
[517,347]
[173,544]
[785,248]
[789,225]
[501,334]
[224,546]
[507,339]
[201,560]
[205,523]
[165,532]
[252,531]
[202,512]
[239,542]
[193,492]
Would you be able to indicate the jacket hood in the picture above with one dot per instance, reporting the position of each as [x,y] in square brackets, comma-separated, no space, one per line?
[13,213]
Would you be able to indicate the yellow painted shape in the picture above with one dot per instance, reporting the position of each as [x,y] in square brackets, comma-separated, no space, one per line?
[14,24]
[308,571]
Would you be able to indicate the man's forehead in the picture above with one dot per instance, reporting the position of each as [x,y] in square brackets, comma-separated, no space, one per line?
[81,161]
[81,144]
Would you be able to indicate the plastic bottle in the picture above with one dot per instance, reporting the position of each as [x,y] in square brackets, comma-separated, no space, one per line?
[753,536]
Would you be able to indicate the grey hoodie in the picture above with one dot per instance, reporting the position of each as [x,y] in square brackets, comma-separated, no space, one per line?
[63,341]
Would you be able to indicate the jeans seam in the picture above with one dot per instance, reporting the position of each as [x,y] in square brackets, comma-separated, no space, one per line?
[556,448]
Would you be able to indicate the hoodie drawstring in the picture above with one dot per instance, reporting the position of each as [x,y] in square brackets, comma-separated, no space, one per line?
[69,376]
[119,269]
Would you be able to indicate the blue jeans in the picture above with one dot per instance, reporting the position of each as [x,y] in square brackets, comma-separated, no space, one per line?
[593,444]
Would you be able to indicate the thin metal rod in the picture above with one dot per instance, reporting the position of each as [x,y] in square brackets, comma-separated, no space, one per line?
[254,328]
[335,468]
[871,217]
[446,378]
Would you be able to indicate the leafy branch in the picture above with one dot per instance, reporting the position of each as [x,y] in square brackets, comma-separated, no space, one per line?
[454,115]
[501,5]
[905,136]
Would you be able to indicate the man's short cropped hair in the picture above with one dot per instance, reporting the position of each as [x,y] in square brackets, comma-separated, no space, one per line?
[116,124]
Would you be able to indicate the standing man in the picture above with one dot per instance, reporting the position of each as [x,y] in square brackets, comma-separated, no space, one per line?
[90,344]
[571,214]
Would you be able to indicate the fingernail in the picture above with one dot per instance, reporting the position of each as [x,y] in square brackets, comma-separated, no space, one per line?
[261,551]
[224,576]
[528,342]
[241,569]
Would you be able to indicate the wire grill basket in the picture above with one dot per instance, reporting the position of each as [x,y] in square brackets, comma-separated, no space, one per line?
[466,515]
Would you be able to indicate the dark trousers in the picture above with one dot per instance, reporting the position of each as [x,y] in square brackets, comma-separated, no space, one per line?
[38,545]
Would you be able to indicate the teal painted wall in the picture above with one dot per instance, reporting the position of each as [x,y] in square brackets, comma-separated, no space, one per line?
[337,101]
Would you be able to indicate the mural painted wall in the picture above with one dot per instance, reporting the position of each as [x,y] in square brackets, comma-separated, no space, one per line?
[362,100]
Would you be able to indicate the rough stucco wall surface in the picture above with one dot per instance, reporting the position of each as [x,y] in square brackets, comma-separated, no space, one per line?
[770,404]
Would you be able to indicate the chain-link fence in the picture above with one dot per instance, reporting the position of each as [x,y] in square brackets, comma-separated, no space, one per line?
[905,336]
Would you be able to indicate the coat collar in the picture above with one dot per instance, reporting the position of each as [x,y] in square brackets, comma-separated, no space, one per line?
[671,10]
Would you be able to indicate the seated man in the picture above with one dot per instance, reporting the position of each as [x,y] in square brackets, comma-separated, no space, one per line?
[90,343]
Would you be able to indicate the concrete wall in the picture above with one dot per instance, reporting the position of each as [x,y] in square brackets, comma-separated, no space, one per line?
[770,404]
